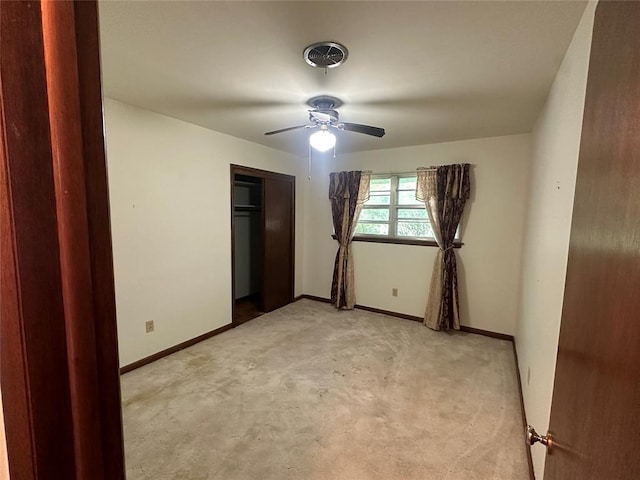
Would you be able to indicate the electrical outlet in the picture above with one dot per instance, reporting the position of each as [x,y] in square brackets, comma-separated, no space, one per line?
[528,375]
[149,326]
[394,292]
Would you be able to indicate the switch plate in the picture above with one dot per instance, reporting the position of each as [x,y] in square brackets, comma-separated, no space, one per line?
[149,326]
[394,292]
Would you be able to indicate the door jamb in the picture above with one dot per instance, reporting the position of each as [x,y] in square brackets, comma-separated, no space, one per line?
[58,347]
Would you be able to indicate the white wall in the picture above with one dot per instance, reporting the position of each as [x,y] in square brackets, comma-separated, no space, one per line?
[170,216]
[556,141]
[489,262]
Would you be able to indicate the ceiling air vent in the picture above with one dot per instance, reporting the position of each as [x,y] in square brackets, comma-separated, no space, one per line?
[325,54]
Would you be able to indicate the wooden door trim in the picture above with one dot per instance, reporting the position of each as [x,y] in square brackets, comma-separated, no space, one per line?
[99,235]
[37,411]
[256,172]
[58,347]
[263,174]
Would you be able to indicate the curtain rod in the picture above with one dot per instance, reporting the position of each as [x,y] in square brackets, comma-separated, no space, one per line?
[471,165]
[411,172]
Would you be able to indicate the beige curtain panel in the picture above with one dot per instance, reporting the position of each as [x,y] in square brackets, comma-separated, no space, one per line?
[444,191]
[347,193]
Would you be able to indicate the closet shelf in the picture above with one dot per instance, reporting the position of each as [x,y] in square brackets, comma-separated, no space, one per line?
[245,208]
[246,184]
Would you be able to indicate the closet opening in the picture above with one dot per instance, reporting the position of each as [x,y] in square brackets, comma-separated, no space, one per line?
[262,243]
[248,251]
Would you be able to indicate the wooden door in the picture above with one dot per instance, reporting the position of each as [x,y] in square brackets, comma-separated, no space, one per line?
[278,262]
[595,415]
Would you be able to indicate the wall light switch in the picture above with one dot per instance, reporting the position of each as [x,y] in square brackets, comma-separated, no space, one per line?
[394,292]
[149,326]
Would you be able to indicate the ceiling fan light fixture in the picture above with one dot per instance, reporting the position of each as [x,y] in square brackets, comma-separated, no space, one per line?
[322,140]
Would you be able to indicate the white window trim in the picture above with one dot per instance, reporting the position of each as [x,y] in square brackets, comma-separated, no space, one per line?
[393,207]
[393,223]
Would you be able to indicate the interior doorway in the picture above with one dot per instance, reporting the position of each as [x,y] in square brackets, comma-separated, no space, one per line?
[262,243]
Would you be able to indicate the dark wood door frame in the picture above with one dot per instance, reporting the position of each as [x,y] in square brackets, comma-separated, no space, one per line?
[58,342]
[263,174]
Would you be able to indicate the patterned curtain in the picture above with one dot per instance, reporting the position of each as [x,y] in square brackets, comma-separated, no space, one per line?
[347,192]
[444,190]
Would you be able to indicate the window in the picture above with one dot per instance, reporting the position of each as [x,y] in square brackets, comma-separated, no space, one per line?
[392,210]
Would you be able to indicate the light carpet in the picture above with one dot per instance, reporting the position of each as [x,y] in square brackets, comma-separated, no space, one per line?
[311,392]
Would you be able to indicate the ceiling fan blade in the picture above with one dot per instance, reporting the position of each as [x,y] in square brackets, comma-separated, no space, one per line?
[287,129]
[366,129]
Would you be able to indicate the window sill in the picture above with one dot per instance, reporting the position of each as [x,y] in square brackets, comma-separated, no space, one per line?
[399,241]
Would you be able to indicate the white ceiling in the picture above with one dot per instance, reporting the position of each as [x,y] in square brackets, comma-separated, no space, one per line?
[426,71]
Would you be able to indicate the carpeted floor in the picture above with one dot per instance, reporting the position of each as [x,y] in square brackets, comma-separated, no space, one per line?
[310,392]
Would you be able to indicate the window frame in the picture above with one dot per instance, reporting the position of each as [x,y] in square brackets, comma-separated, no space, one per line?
[394,206]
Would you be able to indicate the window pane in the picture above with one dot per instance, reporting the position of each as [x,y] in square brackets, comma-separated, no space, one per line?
[414,229]
[378,198]
[407,183]
[410,213]
[408,198]
[375,214]
[378,184]
[372,229]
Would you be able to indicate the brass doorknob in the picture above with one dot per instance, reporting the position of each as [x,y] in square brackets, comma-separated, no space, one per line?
[535,437]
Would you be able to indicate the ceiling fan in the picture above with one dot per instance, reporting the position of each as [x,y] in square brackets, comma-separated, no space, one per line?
[325,117]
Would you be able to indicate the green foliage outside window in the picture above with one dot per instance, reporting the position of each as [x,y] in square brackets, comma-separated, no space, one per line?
[393,211]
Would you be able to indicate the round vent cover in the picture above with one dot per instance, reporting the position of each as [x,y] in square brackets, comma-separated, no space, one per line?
[325,54]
